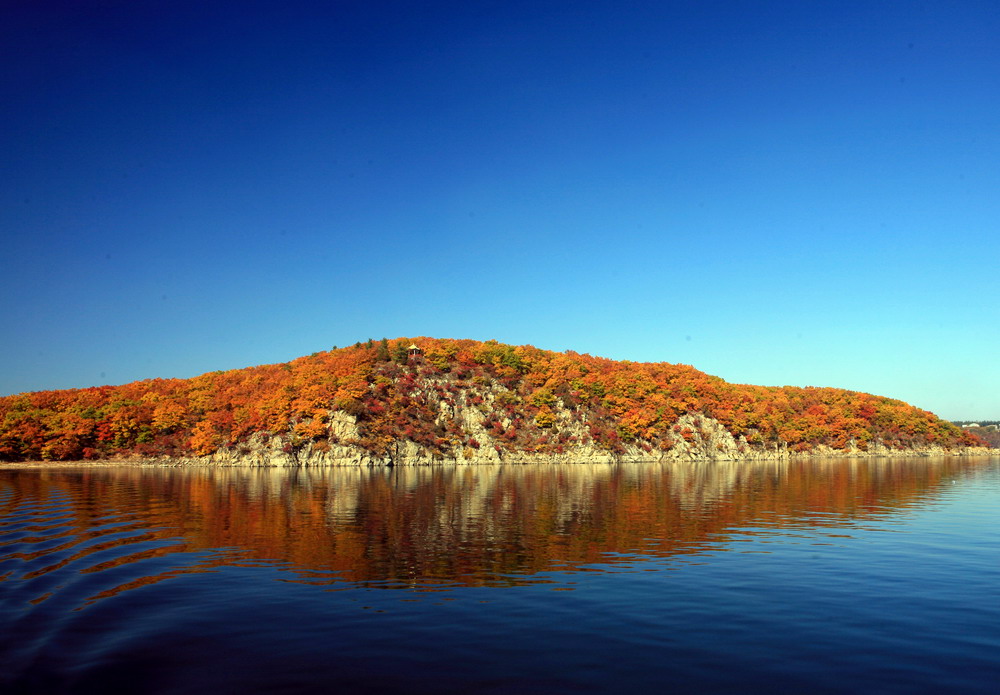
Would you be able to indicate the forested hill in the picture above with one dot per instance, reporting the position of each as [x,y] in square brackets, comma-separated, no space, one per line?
[452,398]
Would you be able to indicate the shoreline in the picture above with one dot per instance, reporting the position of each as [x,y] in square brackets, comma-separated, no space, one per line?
[210,462]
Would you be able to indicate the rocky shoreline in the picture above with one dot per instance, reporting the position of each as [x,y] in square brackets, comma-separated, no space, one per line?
[708,440]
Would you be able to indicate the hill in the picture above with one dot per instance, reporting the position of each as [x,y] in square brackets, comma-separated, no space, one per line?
[462,400]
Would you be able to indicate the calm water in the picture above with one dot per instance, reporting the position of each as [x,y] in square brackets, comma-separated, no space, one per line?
[834,577]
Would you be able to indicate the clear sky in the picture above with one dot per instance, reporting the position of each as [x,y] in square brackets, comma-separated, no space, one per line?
[801,193]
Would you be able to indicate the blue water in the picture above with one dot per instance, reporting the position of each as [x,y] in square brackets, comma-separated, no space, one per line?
[830,577]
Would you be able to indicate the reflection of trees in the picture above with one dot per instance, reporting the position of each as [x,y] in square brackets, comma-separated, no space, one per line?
[467,525]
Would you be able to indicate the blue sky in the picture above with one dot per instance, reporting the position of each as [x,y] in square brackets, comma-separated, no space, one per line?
[776,193]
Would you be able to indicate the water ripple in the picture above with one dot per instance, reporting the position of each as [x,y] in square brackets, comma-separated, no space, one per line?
[47,546]
[638,578]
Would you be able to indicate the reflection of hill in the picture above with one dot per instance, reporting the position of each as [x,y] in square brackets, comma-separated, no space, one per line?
[471,525]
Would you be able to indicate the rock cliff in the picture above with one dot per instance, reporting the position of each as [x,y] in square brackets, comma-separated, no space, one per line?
[707,440]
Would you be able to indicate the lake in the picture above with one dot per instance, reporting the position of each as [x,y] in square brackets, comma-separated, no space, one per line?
[806,577]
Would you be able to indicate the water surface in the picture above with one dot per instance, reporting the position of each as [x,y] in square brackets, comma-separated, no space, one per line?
[820,577]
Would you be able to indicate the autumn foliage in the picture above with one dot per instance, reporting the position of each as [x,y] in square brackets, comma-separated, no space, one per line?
[396,395]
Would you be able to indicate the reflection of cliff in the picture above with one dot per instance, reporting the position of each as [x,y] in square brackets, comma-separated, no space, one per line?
[474,525]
